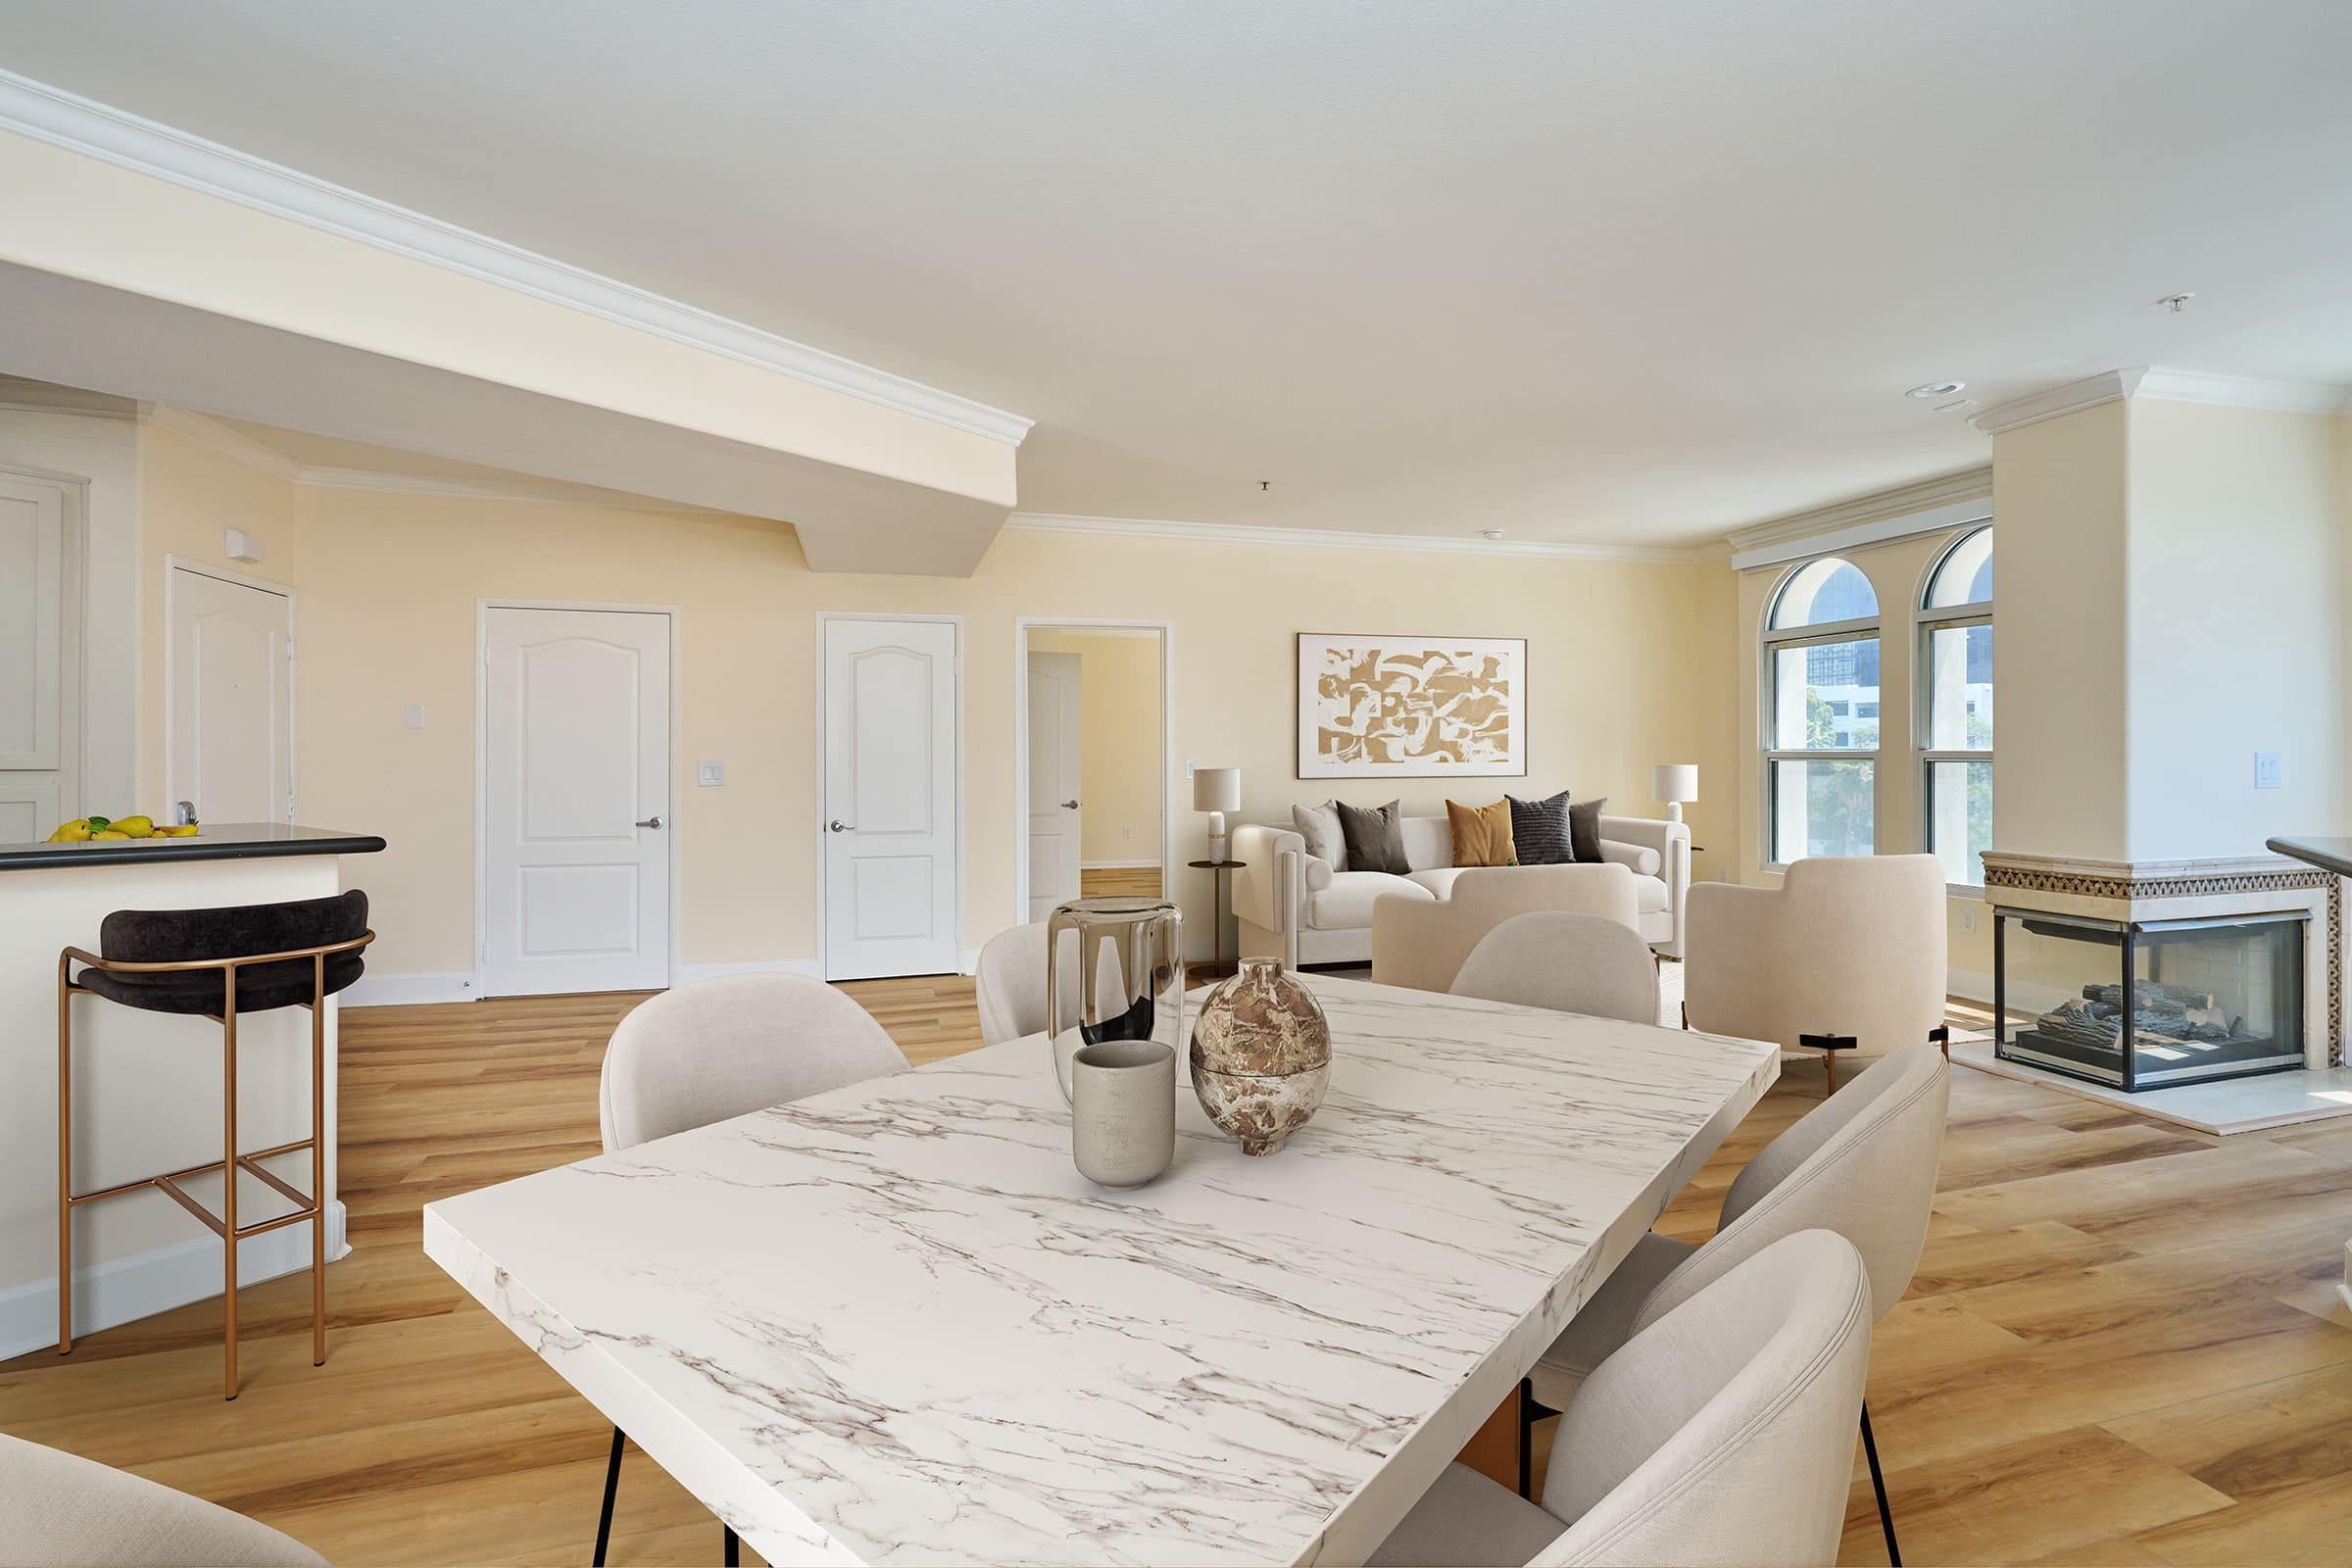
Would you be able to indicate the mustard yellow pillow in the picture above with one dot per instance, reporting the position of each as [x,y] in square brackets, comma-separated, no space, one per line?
[1481,834]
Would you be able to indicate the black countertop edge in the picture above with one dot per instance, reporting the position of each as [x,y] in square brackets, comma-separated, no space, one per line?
[227,841]
[2327,853]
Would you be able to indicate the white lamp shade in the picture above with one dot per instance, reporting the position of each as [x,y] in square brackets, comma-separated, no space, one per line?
[1674,782]
[1216,788]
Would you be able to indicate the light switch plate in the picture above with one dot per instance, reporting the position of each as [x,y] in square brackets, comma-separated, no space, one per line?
[412,716]
[2268,773]
[710,775]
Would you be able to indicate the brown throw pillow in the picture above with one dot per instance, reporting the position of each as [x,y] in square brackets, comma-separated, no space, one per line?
[1375,836]
[1481,834]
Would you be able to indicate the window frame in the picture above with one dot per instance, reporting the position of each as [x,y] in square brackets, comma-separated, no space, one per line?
[1926,620]
[1773,641]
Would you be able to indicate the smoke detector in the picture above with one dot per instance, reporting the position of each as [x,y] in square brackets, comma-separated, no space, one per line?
[1935,389]
[1489,534]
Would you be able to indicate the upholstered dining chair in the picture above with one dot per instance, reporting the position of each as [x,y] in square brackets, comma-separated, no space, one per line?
[1863,1164]
[60,1508]
[1010,981]
[1847,953]
[1722,1433]
[1568,962]
[725,1048]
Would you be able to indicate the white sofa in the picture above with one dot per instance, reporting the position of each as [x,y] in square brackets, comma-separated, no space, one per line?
[1295,907]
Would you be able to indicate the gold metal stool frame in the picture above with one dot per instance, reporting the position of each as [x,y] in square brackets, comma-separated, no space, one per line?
[226,1226]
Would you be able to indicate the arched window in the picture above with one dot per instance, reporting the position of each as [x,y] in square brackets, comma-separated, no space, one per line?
[1821,713]
[1955,706]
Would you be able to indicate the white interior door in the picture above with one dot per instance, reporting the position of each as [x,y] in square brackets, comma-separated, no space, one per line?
[575,801]
[1054,806]
[39,675]
[890,797]
[231,749]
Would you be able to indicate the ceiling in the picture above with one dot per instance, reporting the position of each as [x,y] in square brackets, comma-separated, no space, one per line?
[1606,273]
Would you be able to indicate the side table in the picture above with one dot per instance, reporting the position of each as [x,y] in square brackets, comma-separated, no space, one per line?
[1217,967]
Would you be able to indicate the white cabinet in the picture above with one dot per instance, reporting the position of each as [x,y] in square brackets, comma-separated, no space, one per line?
[39,652]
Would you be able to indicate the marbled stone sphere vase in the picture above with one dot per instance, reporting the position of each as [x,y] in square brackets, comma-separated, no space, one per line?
[1261,1056]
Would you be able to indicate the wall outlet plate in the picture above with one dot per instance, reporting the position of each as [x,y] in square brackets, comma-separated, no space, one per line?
[2268,774]
[412,716]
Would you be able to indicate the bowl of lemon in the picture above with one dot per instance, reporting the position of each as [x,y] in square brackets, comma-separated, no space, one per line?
[118,830]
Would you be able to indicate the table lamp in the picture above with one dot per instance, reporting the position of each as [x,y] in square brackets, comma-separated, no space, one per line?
[1216,791]
[1673,783]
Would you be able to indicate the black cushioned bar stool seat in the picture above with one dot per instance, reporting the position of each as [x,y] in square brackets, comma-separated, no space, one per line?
[190,962]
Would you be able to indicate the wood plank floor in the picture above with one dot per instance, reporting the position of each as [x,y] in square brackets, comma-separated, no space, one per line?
[1132,881]
[2124,1345]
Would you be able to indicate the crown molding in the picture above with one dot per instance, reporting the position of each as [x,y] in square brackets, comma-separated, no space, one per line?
[80,124]
[518,489]
[206,431]
[2166,383]
[24,395]
[1919,501]
[1229,533]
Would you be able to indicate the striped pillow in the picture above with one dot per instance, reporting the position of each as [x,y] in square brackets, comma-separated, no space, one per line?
[1540,831]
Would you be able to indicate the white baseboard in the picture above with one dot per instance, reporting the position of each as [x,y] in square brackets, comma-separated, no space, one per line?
[409,990]
[689,973]
[968,962]
[1117,865]
[144,1284]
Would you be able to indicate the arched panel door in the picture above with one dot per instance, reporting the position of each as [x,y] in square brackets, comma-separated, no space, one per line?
[890,804]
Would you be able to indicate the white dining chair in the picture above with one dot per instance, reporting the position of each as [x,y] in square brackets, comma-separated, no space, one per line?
[1861,1164]
[1722,1433]
[1010,981]
[1568,962]
[60,1508]
[719,1049]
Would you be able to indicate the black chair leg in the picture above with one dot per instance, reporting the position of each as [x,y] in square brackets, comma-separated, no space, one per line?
[1530,1411]
[603,1520]
[734,1548]
[1878,1482]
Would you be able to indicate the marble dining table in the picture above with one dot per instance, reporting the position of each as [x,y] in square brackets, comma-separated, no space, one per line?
[893,1323]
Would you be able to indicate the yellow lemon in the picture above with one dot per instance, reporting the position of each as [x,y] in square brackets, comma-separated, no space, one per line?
[134,827]
[74,832]
[110,833]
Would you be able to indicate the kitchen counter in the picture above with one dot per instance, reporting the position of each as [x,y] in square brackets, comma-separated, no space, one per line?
[215,841]
[147,1085]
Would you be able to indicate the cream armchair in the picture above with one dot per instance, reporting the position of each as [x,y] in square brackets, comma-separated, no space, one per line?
[1422,943]
[1846,953]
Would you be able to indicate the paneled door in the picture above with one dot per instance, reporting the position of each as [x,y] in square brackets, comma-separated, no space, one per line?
[575,801]
[891,813]
[1054,802]
[38,673]
[230,747]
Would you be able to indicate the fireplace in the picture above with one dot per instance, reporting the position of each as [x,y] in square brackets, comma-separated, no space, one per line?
[2149,1003]
[2145,975]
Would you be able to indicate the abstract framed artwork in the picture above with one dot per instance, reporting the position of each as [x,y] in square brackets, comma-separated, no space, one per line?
[1411,706]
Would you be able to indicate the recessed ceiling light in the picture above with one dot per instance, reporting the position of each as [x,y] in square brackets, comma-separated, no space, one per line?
[1490,533]
[1935,389]
[2178,302]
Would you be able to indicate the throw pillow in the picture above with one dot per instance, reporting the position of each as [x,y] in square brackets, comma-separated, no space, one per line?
[1375,836]
[1540,831]
[1481,834]
[1319,825]
[1583,828]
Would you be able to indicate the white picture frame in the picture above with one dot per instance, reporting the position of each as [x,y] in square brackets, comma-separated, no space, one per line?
[1411,706]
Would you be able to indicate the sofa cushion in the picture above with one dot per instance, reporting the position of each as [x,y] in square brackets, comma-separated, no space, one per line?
[1346,905]
[1319,825]
[1481,834]
[1439,879]
[1428,843]
[1375,838]
[1649,894]
[1540,831]
[1639,858]
[1583,827]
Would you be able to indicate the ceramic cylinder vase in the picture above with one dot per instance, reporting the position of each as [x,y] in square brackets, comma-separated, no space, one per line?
[1124,1111]
[1261,1056]
[1114,970]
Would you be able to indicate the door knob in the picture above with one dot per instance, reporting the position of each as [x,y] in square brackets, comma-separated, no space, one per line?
[837,825]
[651,821]
[1069,806]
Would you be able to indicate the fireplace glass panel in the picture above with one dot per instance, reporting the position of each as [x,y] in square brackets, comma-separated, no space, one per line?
[2151,1004]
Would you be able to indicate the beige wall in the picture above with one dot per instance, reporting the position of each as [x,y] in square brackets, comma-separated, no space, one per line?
[1119,763]
[1621,663]
[1899,573]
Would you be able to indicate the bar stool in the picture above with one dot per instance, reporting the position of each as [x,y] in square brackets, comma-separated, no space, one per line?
[265,955]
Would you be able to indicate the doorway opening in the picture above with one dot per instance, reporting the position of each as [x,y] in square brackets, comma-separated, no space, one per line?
[1092,717]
